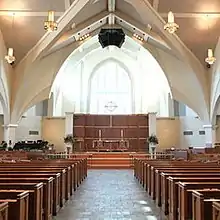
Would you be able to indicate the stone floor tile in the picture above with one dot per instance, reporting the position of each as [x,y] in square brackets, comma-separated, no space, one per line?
[110,195]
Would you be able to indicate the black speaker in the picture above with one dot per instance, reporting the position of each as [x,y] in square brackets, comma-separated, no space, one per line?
[114,36]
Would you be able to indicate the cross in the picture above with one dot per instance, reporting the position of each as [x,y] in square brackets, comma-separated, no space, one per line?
[111,106]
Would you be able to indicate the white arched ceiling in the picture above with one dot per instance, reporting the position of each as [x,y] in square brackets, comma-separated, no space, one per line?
[180,76]
[144,8]
[215,83]
[5,74]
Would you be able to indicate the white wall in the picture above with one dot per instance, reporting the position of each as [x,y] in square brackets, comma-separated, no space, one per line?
[29,122]
[147,78]
[170,132]
[195,125]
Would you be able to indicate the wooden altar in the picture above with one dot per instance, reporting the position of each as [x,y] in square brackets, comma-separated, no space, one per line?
[112,129]
[110,145]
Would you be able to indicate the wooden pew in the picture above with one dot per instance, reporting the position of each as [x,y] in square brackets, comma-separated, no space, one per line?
[216,211]
[47,192]
[57,183]
[157,170]
[175,195]
[61,164]
[65,185]
[22,170]
[202,203]
[18,203]
[35,197]
[185,192]
[169,179]
[3,211]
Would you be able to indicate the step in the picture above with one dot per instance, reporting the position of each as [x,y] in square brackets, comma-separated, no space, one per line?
[110,166]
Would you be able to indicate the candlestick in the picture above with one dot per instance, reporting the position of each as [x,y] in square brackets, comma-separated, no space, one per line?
[122,133]
[170,17]
[100,134]
[210,53]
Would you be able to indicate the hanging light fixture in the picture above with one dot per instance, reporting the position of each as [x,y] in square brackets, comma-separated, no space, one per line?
[50,24]
[210,59]
[10,58]
[171,26]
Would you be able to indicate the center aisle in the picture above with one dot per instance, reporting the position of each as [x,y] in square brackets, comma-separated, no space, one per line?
[110,195]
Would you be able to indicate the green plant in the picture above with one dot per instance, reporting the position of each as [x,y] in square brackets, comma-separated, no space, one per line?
[152,139]
[69,139]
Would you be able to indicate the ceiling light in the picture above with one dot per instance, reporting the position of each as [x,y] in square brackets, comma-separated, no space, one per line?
[10,58]
[50,25]
[84,37]
[138,37]
[171,26]
[210,59]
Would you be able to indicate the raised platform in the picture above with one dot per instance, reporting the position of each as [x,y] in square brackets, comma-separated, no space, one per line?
[110,160]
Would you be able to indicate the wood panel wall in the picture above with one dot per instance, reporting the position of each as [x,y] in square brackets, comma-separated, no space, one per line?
[135,129]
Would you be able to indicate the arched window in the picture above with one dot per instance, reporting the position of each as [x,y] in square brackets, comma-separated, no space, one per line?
[110,91]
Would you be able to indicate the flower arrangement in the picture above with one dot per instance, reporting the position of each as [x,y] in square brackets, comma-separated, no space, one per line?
[152,139]
[69,139]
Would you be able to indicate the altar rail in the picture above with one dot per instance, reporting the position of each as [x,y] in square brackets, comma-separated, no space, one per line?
[112,158]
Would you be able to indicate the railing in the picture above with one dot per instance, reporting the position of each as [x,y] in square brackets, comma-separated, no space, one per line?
[157,156]
[64,155]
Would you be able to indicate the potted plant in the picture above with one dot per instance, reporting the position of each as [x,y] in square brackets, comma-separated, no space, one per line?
[153,142]
[69,141]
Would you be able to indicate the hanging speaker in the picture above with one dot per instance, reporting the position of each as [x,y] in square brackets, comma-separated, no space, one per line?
[114,37]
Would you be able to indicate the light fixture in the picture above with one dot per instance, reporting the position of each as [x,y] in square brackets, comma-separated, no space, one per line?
[210,59]
[138,37]
[50,24]
[84,37]
[10,58]
[171,26]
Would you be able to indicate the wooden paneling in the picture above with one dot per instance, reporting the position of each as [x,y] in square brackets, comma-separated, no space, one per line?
[133,127]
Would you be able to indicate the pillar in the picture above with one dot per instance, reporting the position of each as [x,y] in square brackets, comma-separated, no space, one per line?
[170,106]
[210,132]
[69,123]
[152,123]
[9,133]
[50,106]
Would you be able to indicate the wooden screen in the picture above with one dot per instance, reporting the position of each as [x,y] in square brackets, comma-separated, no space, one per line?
[87,128]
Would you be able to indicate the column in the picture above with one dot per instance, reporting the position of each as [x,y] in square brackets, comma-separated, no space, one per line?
[50,106]
[69,123]
[170,106]
[210,132]
[9,133]
[152,122]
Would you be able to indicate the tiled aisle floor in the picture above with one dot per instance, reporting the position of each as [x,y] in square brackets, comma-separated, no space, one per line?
[110,195]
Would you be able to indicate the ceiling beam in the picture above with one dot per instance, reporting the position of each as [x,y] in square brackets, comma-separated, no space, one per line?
[141,28]
[111,5]
[24,66]
[67,4]
[23,13]
[29,13]
[111,8]
[87,26]
[144,8]
[192,15]
[156,4]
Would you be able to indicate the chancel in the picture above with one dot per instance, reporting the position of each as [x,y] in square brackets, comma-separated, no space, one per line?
[124,94]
